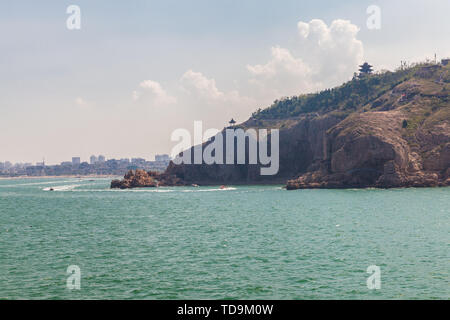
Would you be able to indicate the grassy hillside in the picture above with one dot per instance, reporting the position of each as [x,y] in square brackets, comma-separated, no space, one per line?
[352,95]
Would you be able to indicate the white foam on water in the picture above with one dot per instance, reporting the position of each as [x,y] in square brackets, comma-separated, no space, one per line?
[210,190]
[141,190]
[151,190]
[122,190]
[69,187]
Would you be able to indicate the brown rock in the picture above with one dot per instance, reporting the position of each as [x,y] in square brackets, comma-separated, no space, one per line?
[143,179]
[136,179]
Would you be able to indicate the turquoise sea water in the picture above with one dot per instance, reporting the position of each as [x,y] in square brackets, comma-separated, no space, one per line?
[245,242]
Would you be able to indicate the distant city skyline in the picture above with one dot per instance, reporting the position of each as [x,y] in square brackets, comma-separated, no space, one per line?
[136,71]
[77,166]
[157,157]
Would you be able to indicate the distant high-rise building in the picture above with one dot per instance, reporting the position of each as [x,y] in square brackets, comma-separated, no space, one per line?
[137,161]
[76,160]
[101,158]
[162,157]
[93,159]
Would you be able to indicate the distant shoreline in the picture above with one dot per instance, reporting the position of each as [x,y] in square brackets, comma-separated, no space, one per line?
[62,176]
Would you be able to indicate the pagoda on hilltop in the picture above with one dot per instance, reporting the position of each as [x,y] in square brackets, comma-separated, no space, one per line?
[365,69]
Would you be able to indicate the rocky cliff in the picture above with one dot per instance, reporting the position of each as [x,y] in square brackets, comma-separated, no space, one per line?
[390,129]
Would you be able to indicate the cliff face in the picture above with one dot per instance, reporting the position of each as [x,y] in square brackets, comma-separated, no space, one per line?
[372,150]
[301,145]
[394,137]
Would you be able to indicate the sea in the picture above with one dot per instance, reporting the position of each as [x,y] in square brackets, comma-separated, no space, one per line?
[72,238]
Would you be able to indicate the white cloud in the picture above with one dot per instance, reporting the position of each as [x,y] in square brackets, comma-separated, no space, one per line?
[327,56]
[200,87]
[206,101]
[332,52]
[282,62]
[154,92]
[198,83]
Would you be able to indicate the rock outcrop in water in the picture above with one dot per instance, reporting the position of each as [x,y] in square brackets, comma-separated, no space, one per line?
[383,130]
[135,179]
[143,179]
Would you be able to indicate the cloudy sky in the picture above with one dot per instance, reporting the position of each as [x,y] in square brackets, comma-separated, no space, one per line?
[137,70]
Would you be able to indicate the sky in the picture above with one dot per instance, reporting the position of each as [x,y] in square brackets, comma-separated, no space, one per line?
[137,70]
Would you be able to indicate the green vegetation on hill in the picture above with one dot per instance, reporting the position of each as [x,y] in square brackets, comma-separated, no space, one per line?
[346,98]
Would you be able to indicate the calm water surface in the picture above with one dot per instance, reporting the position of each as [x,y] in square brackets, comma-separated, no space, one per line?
[245,242]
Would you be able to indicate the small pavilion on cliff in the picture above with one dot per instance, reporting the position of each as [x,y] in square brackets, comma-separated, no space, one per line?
[232,123]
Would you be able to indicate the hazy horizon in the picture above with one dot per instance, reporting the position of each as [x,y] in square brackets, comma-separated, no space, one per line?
[135,72]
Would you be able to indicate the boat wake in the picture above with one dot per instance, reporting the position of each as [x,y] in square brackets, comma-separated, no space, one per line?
[62,188]
[151,190]
[210,190]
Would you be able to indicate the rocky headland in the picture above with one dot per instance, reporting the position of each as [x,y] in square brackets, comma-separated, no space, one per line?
[390,129]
